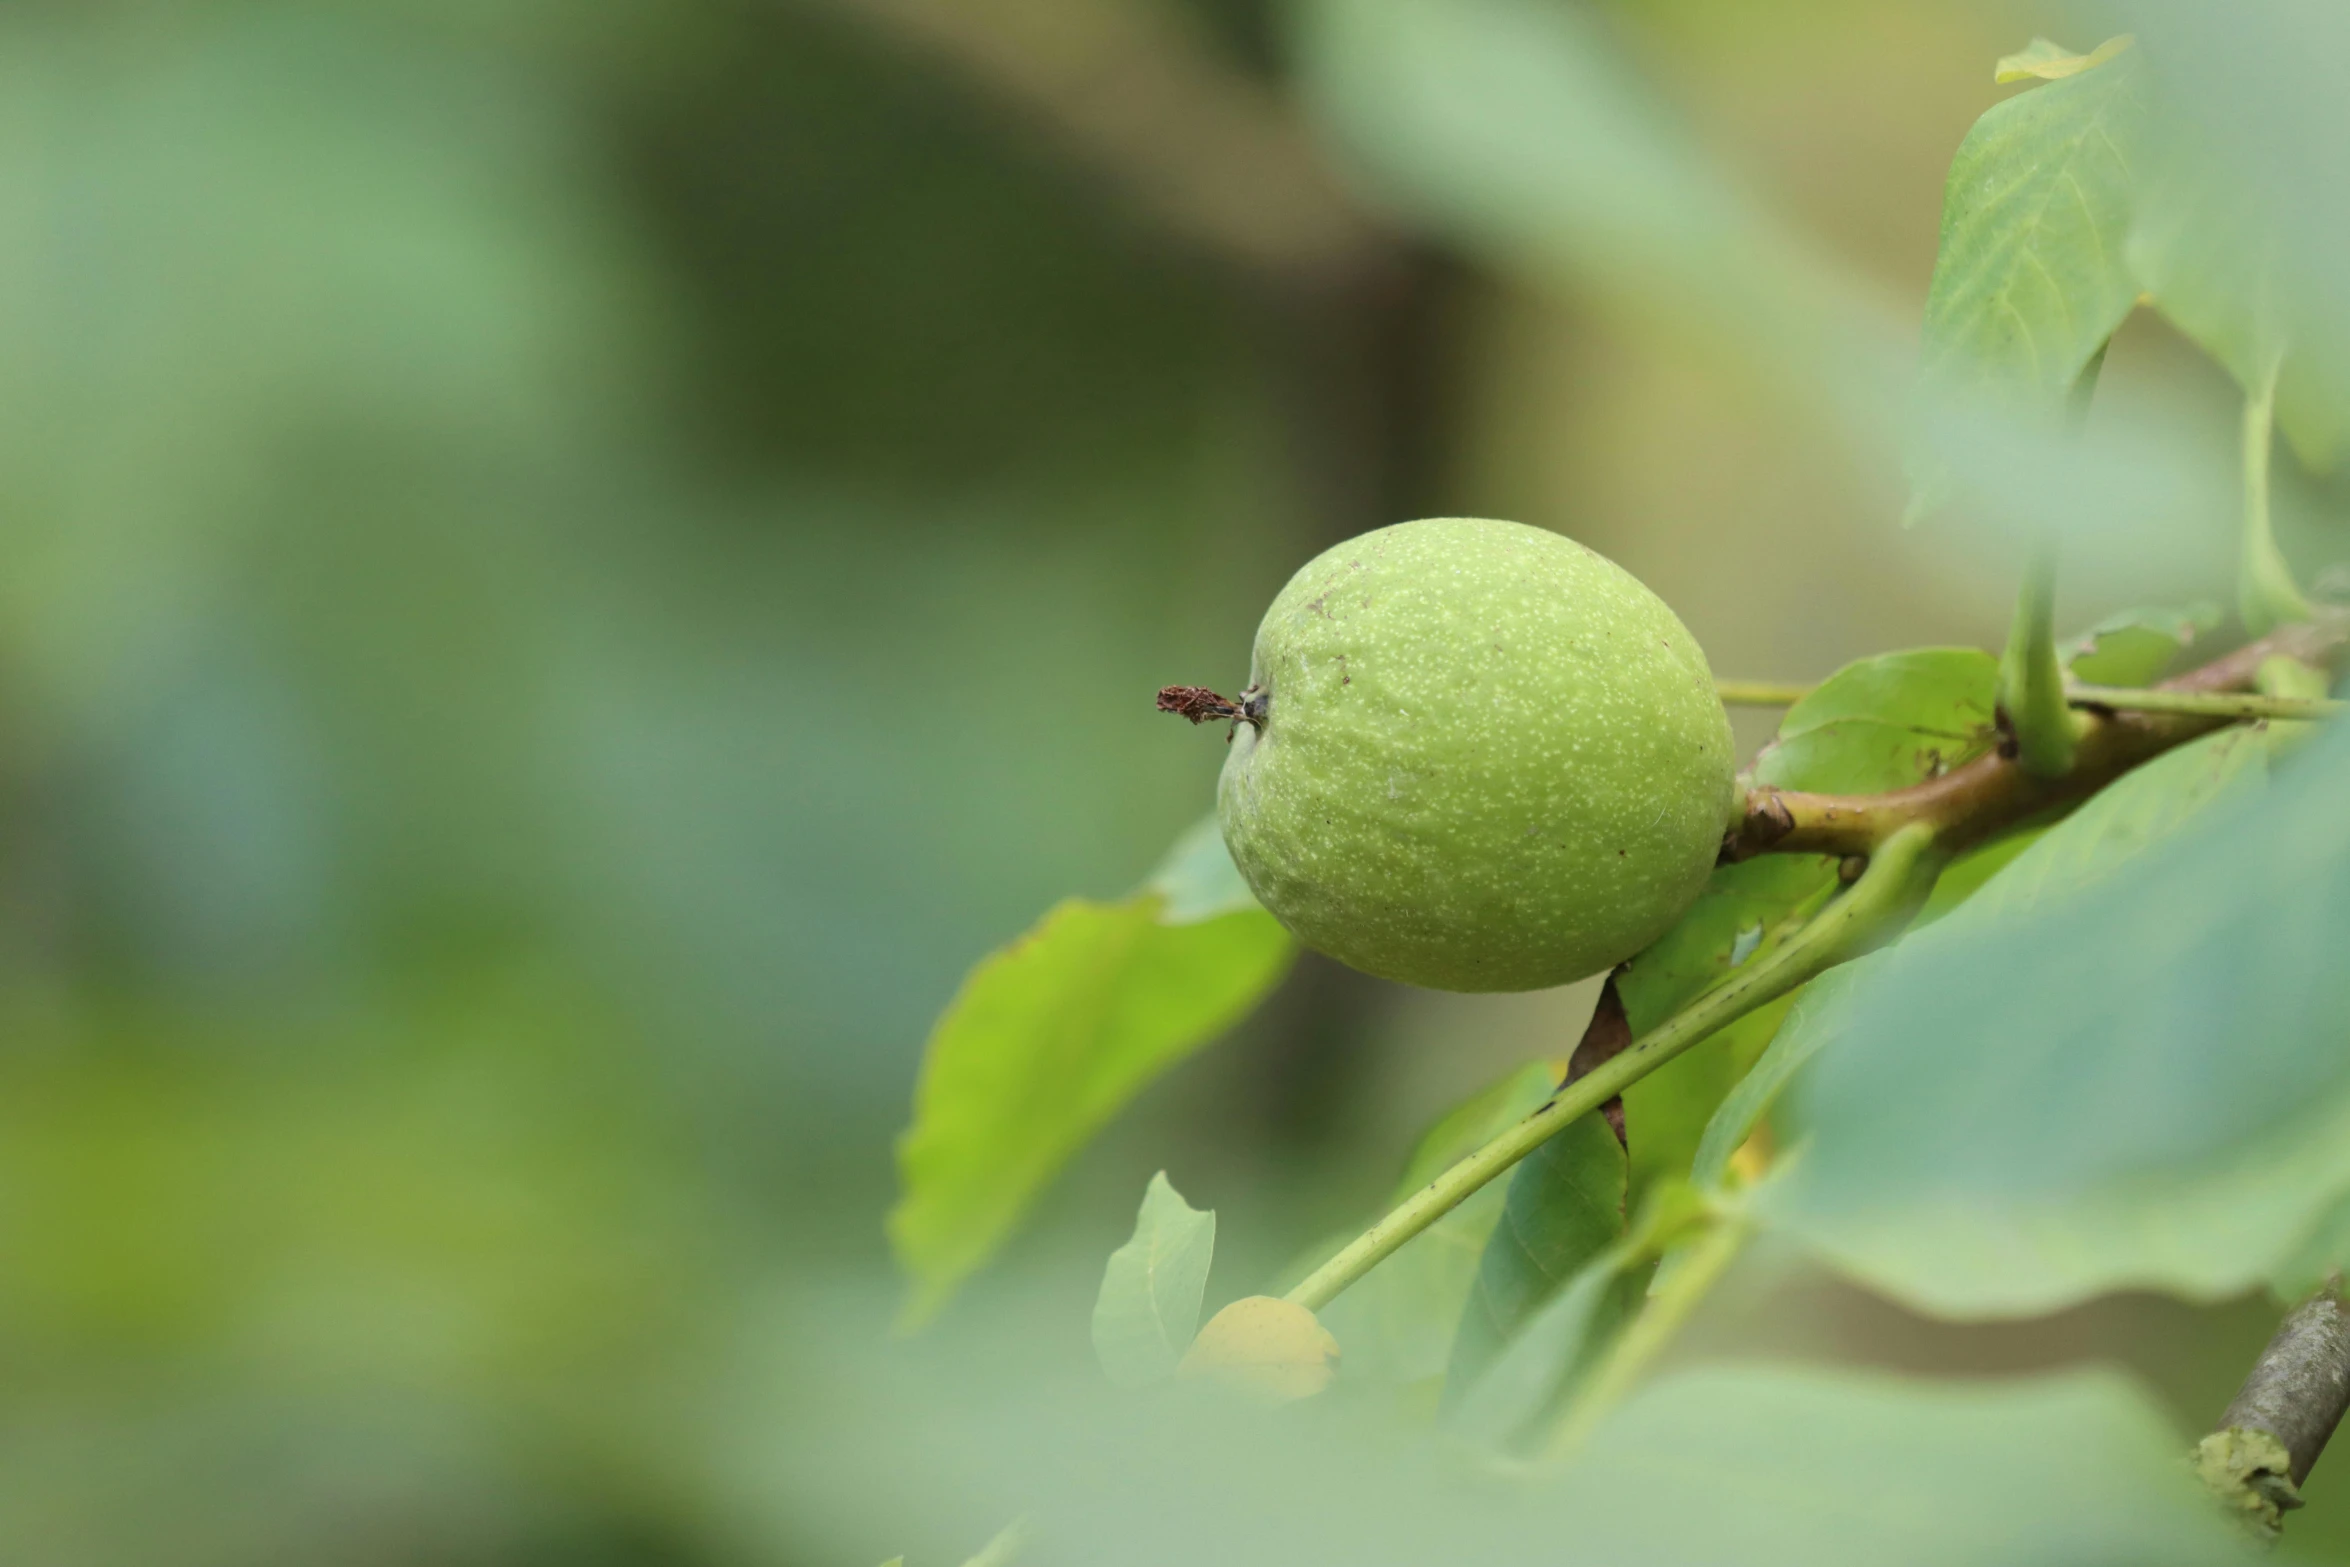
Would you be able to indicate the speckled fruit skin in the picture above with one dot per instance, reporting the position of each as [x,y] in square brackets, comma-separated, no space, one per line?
[1490,759]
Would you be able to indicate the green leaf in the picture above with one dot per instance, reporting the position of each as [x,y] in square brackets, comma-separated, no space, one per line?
[2029,276]
[1004,1548]
[2321,1253]
[1552,1350]
[1673,1106]
[2051,62]
[1398,1323]
[1148,1307]
[1966,875]
[1565,1206]
[1745,910]
[2204,250]
[1774,1464]
[1886,722]
[2119,1066]
[1559,1342]
[1046,1041]
[2141,808]
[1815,1018]
[1759,1465]
[2208,248]
[2138,646]
[2313,407]
[1474,1122]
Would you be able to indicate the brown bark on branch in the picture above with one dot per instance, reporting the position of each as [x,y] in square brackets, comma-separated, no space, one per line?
[2271,1435]
[1992,792]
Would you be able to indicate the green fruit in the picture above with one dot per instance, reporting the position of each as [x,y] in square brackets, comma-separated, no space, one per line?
[1479,757]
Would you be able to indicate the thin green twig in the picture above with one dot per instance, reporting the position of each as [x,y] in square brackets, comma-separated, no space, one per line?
[1898,877]
[2114,699]
[2205,704]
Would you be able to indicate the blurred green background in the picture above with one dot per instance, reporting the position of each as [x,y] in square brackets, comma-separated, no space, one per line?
[570,567]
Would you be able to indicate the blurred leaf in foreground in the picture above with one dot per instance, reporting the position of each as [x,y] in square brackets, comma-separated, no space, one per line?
[2029,278]
[1763,1466]
[2119,1066]
[1051,1036]
[1541,1365]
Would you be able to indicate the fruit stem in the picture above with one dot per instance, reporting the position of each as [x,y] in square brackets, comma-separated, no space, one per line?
[1199,704]
[1899,876]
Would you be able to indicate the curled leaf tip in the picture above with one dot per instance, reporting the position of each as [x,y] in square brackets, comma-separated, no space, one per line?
[2050,62]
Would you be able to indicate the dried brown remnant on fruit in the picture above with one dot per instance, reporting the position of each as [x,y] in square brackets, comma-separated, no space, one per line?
[1196,703]
[1199,704]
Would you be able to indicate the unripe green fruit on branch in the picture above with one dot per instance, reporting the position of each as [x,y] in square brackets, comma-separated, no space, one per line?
[1474,755]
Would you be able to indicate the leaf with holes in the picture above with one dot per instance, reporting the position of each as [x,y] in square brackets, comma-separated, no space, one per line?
[2138,646]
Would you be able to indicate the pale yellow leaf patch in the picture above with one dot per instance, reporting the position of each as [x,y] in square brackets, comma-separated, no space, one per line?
[1266,1348]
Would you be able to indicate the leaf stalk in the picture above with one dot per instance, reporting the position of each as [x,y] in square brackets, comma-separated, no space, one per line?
[2266,594]
[2031,680]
